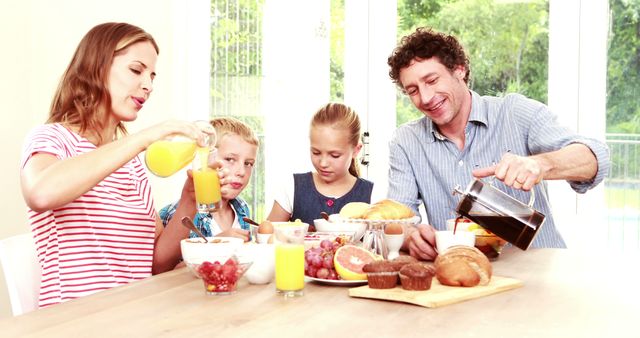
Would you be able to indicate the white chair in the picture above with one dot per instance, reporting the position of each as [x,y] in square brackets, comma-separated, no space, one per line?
[21,272]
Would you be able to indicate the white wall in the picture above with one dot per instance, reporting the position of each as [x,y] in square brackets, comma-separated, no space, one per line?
[295,84]
[38,38]
[577,93]
[370,37]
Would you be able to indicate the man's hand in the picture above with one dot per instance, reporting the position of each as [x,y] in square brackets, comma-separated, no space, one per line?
[519,172]
[421,242]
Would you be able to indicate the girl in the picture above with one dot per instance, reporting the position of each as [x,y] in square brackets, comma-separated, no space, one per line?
[237,147]
[335,143]
[89,200]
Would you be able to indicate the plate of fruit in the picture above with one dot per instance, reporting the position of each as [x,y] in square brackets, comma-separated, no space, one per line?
[335,262]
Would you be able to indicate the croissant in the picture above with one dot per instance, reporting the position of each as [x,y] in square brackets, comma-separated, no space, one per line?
[388,209]
[463,266]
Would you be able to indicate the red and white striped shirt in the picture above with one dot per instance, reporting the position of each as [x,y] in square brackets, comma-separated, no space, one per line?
[104,238]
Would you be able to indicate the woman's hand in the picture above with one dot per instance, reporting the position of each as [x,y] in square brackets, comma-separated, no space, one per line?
[197,131]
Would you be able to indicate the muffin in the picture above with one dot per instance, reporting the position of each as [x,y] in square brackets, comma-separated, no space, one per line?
[416,276]
[381,274]
[403,260]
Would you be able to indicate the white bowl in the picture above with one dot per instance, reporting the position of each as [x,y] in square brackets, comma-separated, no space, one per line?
[446,239]
[264,261]
[306,225]
[195,251]
[356,227]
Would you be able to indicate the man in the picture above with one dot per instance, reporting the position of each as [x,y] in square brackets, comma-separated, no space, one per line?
[464,135]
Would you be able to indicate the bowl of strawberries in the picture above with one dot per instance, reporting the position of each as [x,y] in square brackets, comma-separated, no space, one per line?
[221,278]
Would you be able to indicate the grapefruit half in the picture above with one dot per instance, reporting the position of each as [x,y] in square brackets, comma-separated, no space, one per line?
[349,260]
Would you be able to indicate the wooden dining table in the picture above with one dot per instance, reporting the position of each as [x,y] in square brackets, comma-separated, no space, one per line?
[565,293]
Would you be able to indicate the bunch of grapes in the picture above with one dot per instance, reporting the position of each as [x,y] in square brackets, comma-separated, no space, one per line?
[318,261]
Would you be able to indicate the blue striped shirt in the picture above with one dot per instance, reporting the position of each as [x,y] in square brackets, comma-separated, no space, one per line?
[424,166]
[205,221]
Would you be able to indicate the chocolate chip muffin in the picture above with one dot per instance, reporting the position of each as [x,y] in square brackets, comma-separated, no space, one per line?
[403,260]
[381,274]
[416,276]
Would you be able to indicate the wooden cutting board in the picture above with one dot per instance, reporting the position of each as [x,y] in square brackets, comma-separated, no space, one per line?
[438,295]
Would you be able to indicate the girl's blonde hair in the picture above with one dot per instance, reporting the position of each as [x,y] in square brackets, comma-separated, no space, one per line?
[82,98]
[341,116]
[226,125]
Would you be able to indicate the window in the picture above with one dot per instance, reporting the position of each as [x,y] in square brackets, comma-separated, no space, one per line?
[623,125]
[236,74]
[549,50]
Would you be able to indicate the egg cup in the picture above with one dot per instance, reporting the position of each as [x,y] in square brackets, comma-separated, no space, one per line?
[263,238]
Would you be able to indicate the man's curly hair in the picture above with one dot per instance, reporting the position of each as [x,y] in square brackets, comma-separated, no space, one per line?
[424,44]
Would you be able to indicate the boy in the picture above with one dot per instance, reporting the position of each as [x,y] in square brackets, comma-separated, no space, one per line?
[237,147]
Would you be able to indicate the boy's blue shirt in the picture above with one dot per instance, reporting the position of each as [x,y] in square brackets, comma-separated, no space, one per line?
[203,220]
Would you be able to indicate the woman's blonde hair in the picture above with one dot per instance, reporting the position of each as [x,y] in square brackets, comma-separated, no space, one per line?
[341,116]
[82,98]
[226,125]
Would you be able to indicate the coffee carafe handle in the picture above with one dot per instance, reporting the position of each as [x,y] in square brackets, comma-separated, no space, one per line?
[532,197]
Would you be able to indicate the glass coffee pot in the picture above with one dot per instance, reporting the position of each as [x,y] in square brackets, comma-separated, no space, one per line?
[505,216]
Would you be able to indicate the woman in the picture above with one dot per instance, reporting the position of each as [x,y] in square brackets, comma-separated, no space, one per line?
[89,199]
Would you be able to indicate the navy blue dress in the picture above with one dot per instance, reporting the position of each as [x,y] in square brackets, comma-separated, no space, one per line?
[308,202]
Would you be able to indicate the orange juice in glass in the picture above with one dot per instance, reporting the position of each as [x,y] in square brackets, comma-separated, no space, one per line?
[289,242]
[206,182]
[166,157]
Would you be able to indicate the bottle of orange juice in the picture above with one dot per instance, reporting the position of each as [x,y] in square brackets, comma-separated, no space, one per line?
[166,157]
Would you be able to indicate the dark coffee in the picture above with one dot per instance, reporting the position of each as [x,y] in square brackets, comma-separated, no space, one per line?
[519,230]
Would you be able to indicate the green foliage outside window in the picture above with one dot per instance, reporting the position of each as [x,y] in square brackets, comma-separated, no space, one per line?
[623,68]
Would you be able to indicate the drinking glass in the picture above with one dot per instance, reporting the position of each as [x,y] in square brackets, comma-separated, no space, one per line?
[206,181]
[289,242]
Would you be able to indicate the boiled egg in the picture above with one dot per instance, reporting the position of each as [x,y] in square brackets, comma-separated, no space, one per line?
[265,227]
[393,229]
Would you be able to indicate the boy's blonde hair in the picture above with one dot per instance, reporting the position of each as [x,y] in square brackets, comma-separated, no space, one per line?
[226,125]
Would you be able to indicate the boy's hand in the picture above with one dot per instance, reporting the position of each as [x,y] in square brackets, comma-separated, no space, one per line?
[237,233]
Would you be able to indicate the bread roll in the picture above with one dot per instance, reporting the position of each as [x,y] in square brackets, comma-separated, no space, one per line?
[463,266]
[354,210]
[388,209]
